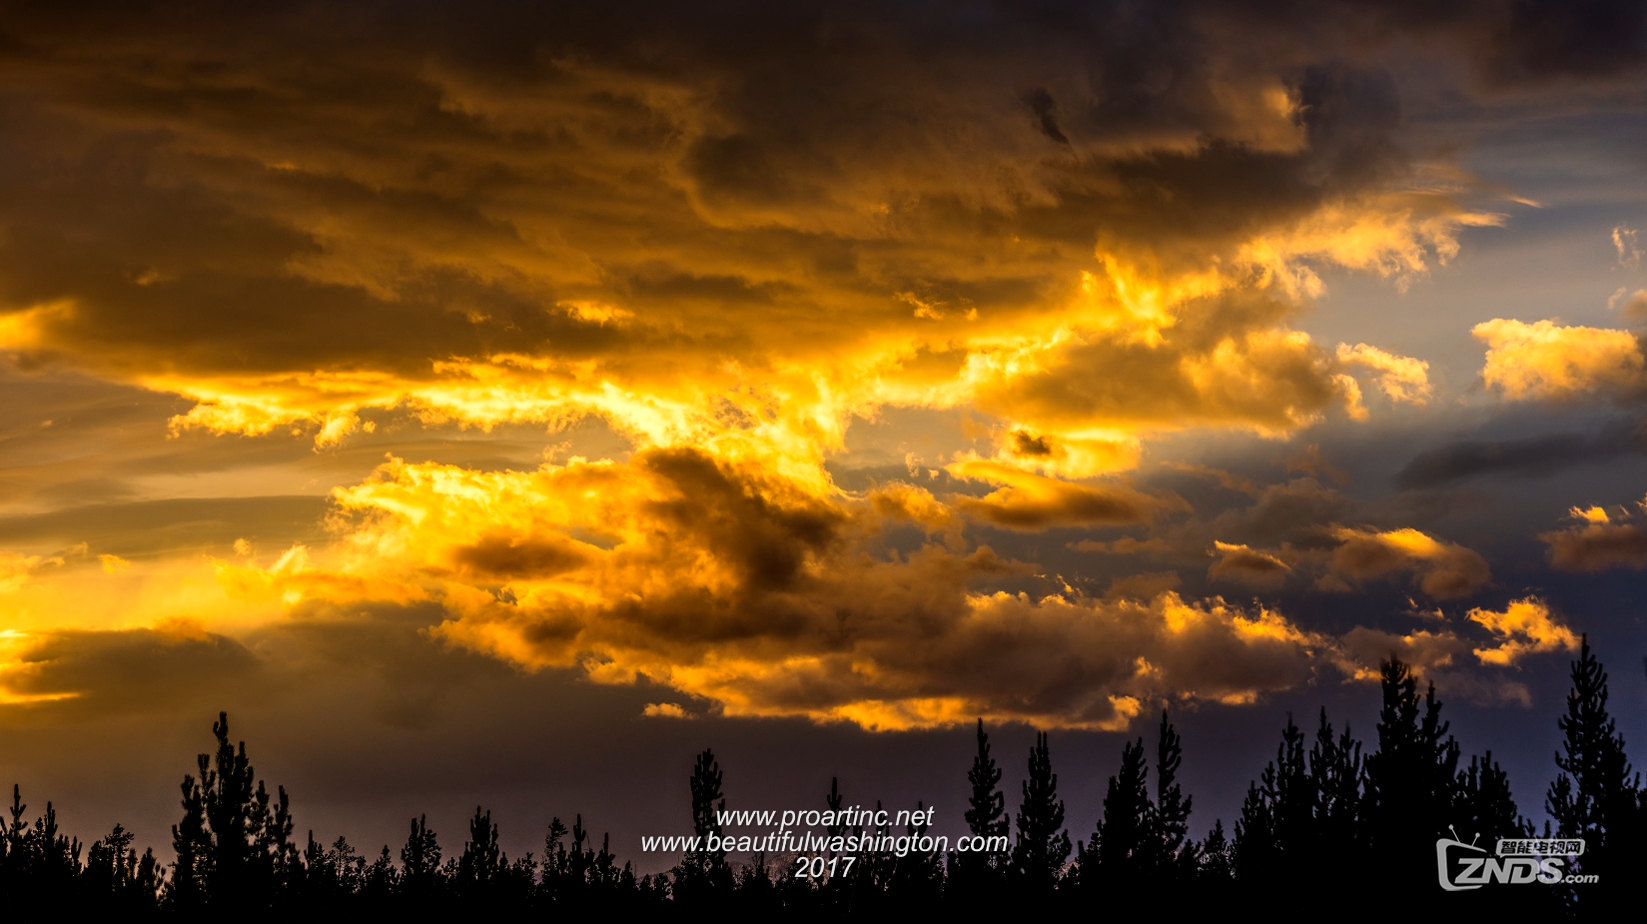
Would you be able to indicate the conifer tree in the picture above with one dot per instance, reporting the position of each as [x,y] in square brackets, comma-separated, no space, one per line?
[232,844]
[1120,843]
[1483,804]
[482,863]
[116,881]
[1276,831]
[1411,778]
[974,874]
[1292,796]
[420,861]
[1253,856]
[1043,845]
[1335,776]
[986,808]
[1173,852]
[1595,795]
[1215,858]
[705,870]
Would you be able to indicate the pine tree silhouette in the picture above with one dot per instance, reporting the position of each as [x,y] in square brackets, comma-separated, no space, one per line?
[1336,767]
[974,876]
[116,881]
[1275,837]
[1410,779]
[986,807]
[1120,843]
[232,845]
[482,864]
[1172,855]
[1215,862]
[1043,844]
[704,872]
[420,879]
[1484,805]
[1595,795]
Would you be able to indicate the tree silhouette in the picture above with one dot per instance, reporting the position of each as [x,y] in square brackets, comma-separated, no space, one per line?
[482,863]
[1172,854]
[974,875]
[420,861]
[1483,803]
[1118,849]
[1277,826]
[116,880]
[1336,768]
[1043,844]
[1595,796]
[704,872]
[232,843]
[1410,779]
[986,807]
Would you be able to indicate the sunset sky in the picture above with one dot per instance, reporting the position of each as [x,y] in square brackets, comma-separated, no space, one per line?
[502,402]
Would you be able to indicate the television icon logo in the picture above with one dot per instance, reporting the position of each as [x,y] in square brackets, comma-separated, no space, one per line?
[1462,867]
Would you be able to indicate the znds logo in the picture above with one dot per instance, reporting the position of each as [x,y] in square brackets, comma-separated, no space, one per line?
[1462,867]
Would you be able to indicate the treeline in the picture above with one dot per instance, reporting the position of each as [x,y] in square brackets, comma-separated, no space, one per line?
[1332,827]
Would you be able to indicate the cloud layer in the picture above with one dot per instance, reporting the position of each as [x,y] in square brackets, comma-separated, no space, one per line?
[730,240]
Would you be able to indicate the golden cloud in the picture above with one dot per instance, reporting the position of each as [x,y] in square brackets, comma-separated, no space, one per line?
[738,587]
[1402,378]
[1032,502]
[1441,568]
[1524,627]
[731,267]
[1545,361]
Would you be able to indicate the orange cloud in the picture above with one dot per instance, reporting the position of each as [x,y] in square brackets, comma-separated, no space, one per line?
[731,275]
[1544,361]
[1402,378]
[1524,627]
[1442,569]
[1033,502]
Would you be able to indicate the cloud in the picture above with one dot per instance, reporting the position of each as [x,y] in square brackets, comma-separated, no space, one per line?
[731,585]
[1251,566]
[730,236]
[1441,568]
[1598,544]
[1629,251]
[478,259]
[95,672]
[1633,307]
[1362,648]
[1530,457]
[1544,361]
[1402,378]
[1524,627]
[665,711]
[1034,502]
[15,569]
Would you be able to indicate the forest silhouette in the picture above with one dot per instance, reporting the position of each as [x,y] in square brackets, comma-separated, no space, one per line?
[1332,827]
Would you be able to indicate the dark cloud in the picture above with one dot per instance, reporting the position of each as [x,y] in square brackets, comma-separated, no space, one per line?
[501,555]
[766,542]
[1530,457]
[195,185]
[129,671]
[1543,39]
[1598,547]
[1250,566]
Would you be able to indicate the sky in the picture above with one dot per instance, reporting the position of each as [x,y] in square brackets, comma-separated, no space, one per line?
[501,403]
